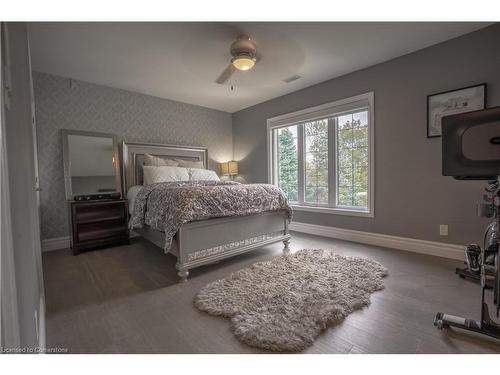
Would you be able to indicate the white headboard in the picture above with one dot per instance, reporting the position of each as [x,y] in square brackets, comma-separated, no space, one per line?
[133,158]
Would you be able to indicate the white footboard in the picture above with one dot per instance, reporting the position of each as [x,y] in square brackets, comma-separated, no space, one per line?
[208,241]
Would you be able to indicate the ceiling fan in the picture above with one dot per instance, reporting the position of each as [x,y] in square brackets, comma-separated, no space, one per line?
[244,57]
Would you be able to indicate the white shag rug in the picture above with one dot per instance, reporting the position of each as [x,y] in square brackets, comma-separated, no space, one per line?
[283,304]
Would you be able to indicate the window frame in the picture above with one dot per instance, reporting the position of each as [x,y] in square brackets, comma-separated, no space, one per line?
[328,110]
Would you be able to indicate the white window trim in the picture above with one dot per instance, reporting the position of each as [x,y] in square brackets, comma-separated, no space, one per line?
[321,111]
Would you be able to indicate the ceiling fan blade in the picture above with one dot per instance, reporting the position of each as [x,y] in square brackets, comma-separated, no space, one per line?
[226,74]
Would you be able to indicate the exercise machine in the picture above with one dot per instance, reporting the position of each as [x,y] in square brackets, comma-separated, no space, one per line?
[471,151]
[487,260]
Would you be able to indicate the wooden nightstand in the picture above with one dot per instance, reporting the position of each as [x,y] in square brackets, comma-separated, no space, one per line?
[98,223]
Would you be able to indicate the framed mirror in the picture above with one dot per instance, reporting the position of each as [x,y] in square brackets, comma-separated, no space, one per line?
[91,163]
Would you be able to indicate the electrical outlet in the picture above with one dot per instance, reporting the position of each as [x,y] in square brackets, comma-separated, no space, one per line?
[443,230]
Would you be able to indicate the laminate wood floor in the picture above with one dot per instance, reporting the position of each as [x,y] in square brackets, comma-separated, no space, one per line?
[126,299]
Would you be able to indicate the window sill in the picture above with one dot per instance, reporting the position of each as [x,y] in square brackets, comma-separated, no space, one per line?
[334,211]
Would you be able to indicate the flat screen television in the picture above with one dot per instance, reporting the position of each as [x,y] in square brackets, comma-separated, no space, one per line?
[471,145]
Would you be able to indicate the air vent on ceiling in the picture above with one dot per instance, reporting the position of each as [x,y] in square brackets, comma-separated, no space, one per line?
[291,79]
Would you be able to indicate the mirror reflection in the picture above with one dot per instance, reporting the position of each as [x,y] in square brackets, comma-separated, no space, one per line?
[91,162]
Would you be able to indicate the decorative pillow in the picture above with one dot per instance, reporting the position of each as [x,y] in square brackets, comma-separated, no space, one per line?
[197,174]
[189,164]
[164,174]
[155,161]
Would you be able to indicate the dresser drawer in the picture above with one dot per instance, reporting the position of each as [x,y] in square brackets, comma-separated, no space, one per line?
[99,230]
[98,223]
[92,213]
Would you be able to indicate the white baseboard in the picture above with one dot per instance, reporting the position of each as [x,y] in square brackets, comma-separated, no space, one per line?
[439,249]
[56,243]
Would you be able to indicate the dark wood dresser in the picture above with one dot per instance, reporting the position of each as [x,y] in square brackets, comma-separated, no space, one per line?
[98,223]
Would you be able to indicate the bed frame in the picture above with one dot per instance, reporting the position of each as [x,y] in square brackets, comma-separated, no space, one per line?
[203,242]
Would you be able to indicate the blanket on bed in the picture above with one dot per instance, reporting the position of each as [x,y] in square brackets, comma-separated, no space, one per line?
[166,206]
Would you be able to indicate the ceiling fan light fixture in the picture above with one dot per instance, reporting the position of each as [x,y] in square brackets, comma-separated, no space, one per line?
[243,62]
[244,57]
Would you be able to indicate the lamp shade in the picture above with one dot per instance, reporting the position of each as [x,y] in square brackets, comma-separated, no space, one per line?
[232,167]
[229,168]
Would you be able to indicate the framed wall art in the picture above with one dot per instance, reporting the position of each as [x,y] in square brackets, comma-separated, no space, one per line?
[452,102]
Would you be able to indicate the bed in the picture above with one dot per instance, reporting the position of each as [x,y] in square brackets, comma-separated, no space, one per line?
[205,241]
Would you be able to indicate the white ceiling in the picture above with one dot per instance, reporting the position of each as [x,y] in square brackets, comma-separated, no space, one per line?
[180,61]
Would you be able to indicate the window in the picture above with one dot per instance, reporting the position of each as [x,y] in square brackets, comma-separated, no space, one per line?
[288,162]
[321,157]
[316,162]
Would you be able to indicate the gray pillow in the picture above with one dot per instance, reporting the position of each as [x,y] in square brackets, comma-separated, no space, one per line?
[155,161]
[189,164]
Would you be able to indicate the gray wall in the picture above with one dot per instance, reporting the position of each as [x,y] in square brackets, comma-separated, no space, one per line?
[131,116]
[21,165]
[411,196]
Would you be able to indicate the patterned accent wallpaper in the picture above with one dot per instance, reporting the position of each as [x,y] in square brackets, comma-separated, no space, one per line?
[62,103]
